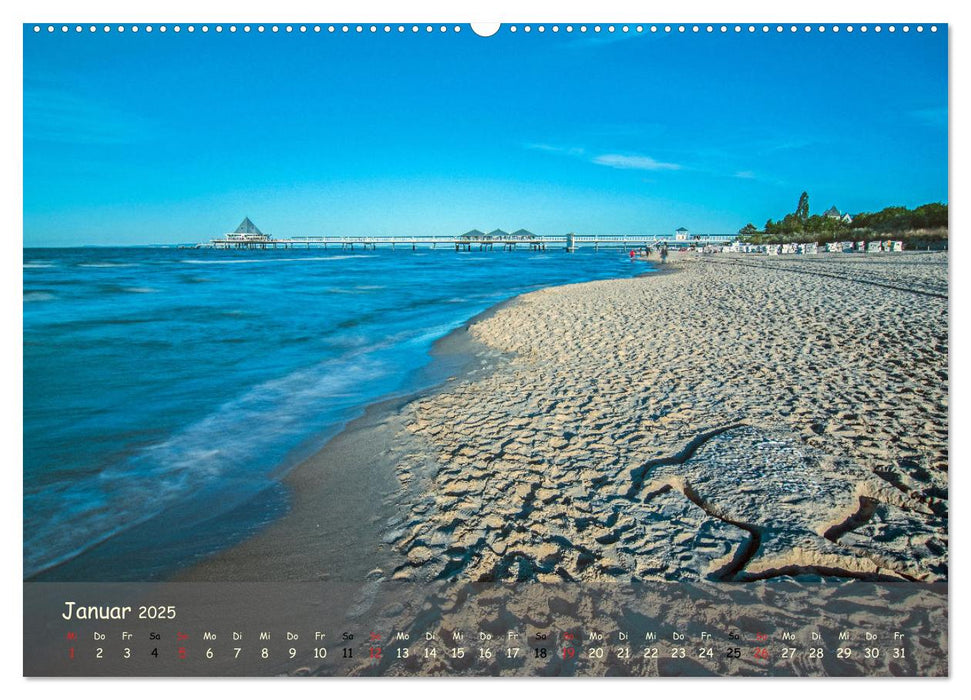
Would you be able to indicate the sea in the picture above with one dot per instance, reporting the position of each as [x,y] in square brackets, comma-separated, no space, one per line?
[167,391]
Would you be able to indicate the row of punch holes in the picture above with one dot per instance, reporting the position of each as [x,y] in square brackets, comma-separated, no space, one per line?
[513,28]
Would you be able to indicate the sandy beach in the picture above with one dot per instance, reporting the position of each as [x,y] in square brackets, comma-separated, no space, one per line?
[740,419]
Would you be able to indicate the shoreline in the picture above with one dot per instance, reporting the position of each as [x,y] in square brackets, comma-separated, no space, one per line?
[428,468]
[367,439]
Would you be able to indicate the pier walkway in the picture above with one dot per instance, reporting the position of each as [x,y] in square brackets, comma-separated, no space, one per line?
[568,242]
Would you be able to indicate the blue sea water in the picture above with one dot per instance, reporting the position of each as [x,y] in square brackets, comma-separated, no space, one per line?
[169,389]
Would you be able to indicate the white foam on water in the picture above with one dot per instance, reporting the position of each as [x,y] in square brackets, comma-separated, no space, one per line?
[107,264]
[38,296]
[227,449]
[265,261]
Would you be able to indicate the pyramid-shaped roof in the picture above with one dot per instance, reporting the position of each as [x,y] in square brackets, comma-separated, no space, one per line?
[498,233]
[474,233]
[523,233]
[681,229]
[247,226]
[832,211]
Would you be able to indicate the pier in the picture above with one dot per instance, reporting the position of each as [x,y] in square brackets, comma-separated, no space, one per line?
[461,243]
[248,237]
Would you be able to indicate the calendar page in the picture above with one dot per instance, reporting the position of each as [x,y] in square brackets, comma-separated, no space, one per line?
[524,349]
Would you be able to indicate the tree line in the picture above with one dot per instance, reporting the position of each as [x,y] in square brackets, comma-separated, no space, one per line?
[924,224]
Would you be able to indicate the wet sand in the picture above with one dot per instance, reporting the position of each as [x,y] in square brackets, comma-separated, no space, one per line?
[745,418]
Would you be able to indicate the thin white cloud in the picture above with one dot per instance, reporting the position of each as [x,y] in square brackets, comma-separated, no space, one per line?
[633,162]
[566,150]
[745,175]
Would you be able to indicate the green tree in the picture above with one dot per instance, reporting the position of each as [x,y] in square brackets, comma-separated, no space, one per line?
[748,233]
[802,209]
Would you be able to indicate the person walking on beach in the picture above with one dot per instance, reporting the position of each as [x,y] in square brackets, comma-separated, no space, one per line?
[664,253]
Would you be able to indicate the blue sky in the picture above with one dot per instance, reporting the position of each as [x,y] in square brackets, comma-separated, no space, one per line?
[165,138]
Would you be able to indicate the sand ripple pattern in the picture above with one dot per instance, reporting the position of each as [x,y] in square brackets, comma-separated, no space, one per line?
[741,419]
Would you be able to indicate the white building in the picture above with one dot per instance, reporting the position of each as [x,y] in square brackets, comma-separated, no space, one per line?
[247,232]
